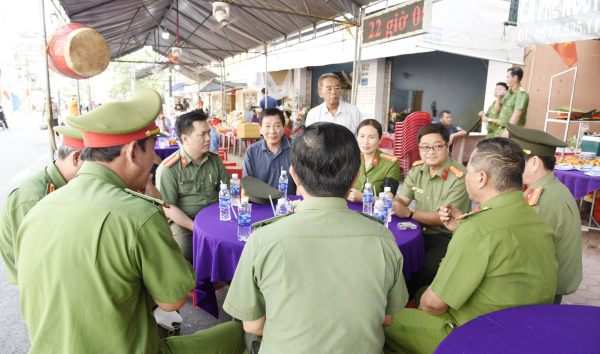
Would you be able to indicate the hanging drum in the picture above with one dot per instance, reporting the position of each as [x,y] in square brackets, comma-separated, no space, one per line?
[78,52]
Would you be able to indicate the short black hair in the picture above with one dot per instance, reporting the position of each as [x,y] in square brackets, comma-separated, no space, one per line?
[503,84]
[271,112]
[263,91]
[107,154]
[434,128]
[516,71]
[185,123]
[287,114]
[503,160]
[326,159]
[444,112]
[372,122]
[548,161]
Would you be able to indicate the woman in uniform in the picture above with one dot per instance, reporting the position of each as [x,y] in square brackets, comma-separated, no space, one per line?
[380,169]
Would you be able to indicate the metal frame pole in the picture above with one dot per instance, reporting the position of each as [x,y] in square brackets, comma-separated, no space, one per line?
[266,78]
[355,68]
[47,80]
[78,98]
[89,95]
[170,80]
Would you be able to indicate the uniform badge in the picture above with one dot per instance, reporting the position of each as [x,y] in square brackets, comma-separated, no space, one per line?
[476,210]
[445,174]
[417,163]
[169,162]
[375,160]
[418,190]
[390,158]
[50,188]
[456,171]
[533,196]
[184,161]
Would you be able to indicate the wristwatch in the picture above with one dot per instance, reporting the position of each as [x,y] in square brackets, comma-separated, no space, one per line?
[412,211]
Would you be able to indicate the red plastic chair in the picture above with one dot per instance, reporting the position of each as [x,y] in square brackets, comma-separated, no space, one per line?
[224,152]
[234,169]
[287,133]
[229,163]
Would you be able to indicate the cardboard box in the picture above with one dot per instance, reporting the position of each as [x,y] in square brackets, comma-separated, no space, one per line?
[248,130]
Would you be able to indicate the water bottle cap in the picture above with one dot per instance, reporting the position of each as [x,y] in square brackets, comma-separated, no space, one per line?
[284,172]
[281,201]
[367,185]
[245,200]
[223,187]
[379,201]
[387,189]
[382,195]
[236,176]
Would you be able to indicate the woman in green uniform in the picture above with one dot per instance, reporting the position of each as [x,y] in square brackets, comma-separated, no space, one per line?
[380,169]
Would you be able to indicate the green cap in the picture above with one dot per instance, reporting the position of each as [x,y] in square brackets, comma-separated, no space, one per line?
[119,123]
[72,137]
[534,142]
[258,191]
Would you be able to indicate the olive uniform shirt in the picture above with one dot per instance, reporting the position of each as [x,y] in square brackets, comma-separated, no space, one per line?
[18,203]
[515,99]
[491,127]
[384,167]
[430,193]
[92,259]
[324,276]
[188,186]
[556,205]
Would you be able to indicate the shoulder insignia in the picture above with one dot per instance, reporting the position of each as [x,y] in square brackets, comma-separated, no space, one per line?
[417,163]
[169,162]
[50,188]
[445,174]
[375,160]
[533,196]
[266,222]
[156,202]
[184,161]
[476,210]
[389,157]
[522,89]
[456,171]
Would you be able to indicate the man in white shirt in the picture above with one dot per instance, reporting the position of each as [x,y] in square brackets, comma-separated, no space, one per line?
[333,110]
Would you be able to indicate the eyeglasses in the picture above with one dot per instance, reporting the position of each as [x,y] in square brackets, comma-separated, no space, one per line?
[435,148]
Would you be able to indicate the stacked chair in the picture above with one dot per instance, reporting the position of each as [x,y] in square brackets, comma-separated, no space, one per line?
[406,148]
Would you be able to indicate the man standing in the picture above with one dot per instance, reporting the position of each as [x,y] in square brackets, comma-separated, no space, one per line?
[189,180]
[501,255]
[271,102]
[333,110]
[266,158]
[73,107]
[32,189]
[294,284]
[512,107]
[434,181]
[102,256]
[455,130]
[553,202]
[491,117]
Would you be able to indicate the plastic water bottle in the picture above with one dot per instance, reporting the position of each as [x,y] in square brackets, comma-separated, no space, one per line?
[244,220]
[173,134]
[234,190]
[283,184]
[224,203]
[385,204]
[368,199]
[380,211]
[389,198]
[281,207]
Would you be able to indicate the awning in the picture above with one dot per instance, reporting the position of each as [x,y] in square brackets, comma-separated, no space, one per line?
[215,85]
[185,71]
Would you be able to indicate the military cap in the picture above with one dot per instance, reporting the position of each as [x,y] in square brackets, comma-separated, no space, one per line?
[72,137]
[258,191]
[534,142]
[119,123]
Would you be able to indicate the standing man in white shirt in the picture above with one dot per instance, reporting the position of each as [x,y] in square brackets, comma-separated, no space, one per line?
[333,110]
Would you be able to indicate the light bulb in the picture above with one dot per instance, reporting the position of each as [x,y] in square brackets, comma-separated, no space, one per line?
[176,67]
[165,35]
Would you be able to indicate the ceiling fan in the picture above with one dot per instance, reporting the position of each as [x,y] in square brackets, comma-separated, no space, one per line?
[222,15]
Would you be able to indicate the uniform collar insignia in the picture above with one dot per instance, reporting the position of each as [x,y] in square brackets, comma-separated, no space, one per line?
[445,174]
[476,210]
[50,188]
[375,160]
[184,161]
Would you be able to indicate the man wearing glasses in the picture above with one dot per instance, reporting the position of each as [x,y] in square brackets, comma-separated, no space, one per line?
[333,110]
[433,181]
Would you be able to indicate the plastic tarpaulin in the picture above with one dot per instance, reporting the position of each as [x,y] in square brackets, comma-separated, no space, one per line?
[215,85]
[256,81]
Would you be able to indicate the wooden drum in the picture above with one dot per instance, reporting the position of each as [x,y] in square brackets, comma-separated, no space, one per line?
[78,52]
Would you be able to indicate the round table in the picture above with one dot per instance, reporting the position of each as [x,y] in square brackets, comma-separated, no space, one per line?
[163,153]
[217,249]
[530,329]
[578,183]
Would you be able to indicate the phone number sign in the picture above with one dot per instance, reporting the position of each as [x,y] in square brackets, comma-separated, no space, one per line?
[408,19]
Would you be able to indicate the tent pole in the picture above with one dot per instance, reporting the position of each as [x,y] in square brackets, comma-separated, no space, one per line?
[354,67]
[266,80]
[78,97]
[89,95]
[223,110]
[170,81]
[356,77]
[47,81]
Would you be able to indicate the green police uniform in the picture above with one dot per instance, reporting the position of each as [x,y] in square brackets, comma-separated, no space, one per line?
[429,193]
[499,257]
[556,205]
[515,99]
[491,127]
[324,276]
[383,172]
[191,188]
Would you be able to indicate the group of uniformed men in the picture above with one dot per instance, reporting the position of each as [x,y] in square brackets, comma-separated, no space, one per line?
[94,258]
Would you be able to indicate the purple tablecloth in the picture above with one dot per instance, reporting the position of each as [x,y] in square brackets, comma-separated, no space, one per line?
[578,183]
[543,329]
[217,249]
[166,152]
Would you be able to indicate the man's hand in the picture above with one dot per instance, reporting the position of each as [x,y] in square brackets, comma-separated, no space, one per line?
[399,209]
[448,214]
[451,140]
[501,93]
[161,117]
[355,196]
[481,114]
[150,190]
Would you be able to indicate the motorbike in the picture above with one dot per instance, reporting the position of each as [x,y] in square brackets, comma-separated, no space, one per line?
[3,123]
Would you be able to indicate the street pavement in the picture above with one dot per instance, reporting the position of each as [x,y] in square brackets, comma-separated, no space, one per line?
[26,150]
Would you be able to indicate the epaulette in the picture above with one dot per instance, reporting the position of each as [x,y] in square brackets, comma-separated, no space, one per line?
[475,211]
[522,89]
[156,202]
[371,217]
[170,161]
[389,157]
[417,163]
[50,188]
[216,153]
[256,225]
[456,171]
[533,196]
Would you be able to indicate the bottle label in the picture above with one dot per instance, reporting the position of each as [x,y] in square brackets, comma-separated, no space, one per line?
[283,186]
[234,190]
[380,214]
[244,220]
[224,202]
[367,198]
[389,204]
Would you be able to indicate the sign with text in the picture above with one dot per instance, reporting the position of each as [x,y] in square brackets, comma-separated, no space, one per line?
[557,21]
[408,19]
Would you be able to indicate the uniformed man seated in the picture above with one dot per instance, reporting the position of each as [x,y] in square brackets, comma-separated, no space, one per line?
[189,180]
[501,254]
[382,170]
[35,187]
[323,279]
[95,258]
[266,158]
[433,181]
[553,201]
